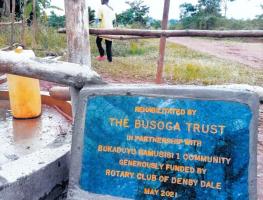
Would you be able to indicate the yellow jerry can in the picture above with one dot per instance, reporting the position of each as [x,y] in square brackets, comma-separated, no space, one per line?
[24,93]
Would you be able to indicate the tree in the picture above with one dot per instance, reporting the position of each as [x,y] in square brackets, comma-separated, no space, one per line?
[136,14]
[204,15]
[172,24]
[260,17]
[40,7]
[5,8]
[187,10]
[225,5]
[56,21]
[59,21]
[91,15]
[209,7]
[154,23]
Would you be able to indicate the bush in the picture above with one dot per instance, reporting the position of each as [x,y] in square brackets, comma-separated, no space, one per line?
[56,21]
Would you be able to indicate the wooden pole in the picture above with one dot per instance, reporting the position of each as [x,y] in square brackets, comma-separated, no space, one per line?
[65,73]
[13,23]
[225,7]
[159,74]
[174,33]
[23,24]
[77,26]
[10,23]
[7,7]
[34,28]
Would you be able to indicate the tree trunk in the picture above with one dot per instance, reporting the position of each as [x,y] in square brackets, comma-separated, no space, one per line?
[23,24]
[7,8]
[77,26]
[34,28]
[12,39]
[225,7]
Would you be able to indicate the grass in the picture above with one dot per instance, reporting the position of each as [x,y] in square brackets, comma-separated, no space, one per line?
[182,65]
[136,61]
[48,40]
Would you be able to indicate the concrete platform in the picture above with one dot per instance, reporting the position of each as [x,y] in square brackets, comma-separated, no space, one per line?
[34,153]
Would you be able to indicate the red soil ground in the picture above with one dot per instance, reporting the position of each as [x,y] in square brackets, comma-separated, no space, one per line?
[248,52]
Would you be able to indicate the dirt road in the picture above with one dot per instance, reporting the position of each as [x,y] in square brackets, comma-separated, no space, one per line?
[249,53]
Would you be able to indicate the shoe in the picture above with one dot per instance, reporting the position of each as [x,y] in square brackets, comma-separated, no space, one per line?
[101,58]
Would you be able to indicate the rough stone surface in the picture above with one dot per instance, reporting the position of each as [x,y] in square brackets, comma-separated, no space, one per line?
[243,87]
[260,155]
[34,154]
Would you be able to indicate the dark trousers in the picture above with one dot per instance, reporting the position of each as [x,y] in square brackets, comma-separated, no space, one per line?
[108,48]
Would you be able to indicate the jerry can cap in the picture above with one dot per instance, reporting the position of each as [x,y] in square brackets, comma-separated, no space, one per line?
[19,49]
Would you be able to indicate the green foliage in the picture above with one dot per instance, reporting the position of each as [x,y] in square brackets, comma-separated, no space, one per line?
[172,23]
[182,65]
[48,40]
[56,21]
[59,21]
[206,15]
[234,24]
[91,15]
[135,49]
[154,23]
[4,12]
[136,14]
[4,36]
[136,60]
[225,6]
[260,17]
[40,6]
[187,10]
[219,23]
[209,7]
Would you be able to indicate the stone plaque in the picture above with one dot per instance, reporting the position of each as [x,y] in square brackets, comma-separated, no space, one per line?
[150,143]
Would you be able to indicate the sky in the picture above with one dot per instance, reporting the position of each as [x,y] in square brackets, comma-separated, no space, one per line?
[239,9]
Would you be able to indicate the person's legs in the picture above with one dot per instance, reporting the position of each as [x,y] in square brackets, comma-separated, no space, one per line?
[99,46]
[108,50]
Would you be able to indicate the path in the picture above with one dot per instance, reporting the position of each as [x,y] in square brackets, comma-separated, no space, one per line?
[249,53]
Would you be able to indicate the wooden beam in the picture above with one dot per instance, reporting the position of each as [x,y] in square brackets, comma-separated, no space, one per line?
[125,37]
[13,15]
[7,7]
[23,39]
[174,33]
[65,73]
[160,63]
[34,25]
[10,23]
